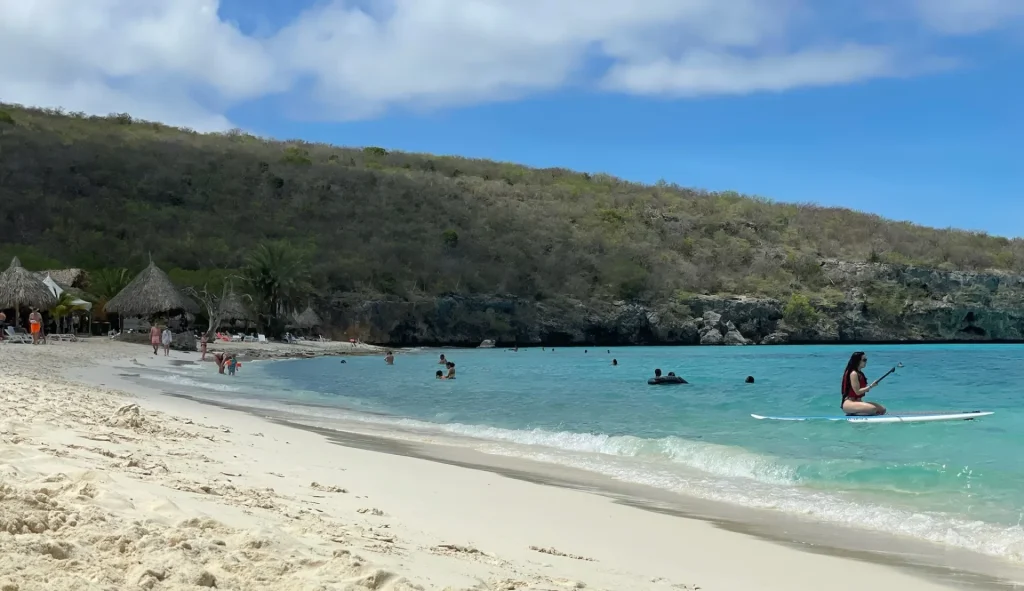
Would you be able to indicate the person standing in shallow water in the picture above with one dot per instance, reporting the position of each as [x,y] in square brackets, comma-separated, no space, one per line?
[389,358]
[855,386]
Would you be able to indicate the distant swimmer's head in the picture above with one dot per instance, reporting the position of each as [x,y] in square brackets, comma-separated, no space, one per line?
[750,379]
[439,374]
[657,373]
[615,361]
[343,361]
[672,374]
[442,356]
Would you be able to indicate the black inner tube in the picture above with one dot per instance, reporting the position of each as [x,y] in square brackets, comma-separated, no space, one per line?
[665,380]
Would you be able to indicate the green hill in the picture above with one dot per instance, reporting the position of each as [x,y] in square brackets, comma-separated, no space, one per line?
[406,229]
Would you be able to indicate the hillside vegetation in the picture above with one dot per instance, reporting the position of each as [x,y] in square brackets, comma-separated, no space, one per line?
[109,192]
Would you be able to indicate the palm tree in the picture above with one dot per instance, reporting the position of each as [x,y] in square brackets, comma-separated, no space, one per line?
[104,285]
[276,274]
[64,307]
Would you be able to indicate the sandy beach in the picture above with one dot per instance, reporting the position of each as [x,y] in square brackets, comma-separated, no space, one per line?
[276,350]
[107,485]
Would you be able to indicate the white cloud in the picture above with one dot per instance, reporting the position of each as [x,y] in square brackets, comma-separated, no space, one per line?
[144,56]
[180,62]
[703,73]
[968,17]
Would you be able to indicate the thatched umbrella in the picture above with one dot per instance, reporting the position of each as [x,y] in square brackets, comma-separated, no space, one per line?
[232,308]
[308,319]
[19,287]
[151,292]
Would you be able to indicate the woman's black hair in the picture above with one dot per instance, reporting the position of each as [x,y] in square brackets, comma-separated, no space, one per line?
[852,365]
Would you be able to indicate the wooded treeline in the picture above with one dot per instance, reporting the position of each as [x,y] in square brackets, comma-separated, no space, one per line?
[106,193]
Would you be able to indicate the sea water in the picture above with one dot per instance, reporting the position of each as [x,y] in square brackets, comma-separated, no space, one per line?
[959,483]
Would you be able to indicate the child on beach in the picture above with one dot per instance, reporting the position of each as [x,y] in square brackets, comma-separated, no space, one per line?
[232,364]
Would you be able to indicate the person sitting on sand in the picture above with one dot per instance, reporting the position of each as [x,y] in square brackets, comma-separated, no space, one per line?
[451,371]
[389,358]
[855,386]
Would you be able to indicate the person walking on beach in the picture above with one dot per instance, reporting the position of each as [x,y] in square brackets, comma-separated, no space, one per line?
[202,347]
[154,338]
[855,386]
[35,324]
[165,339]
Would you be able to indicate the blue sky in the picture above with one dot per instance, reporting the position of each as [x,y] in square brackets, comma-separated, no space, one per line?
[905,108]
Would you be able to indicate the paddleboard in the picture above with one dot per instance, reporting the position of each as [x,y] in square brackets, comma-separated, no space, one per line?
[893,418]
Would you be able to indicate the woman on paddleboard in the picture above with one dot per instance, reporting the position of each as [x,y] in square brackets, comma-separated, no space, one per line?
[855,386]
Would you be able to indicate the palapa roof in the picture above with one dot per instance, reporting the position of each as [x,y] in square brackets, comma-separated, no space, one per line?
[151,292]
[22,288]
[232,308]
[308,319]
[67,277]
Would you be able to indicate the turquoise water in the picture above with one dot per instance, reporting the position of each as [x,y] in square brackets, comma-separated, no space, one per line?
[958,483]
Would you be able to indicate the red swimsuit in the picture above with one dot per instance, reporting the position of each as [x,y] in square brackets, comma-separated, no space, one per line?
[848,391]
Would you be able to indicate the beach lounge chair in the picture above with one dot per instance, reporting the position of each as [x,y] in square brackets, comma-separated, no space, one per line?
[17,337]
[261,338]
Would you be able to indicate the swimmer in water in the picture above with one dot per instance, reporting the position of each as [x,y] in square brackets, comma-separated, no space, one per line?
[439,375]
[451,371]
[389,358]
[443,361]
[615,361]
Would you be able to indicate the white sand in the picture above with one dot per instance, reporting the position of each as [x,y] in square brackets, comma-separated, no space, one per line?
[298,349]
[98,493]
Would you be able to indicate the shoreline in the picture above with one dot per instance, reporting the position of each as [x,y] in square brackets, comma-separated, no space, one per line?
[932,561]
[448,517]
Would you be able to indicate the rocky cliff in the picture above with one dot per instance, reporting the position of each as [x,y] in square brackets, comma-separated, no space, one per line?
[862,302]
